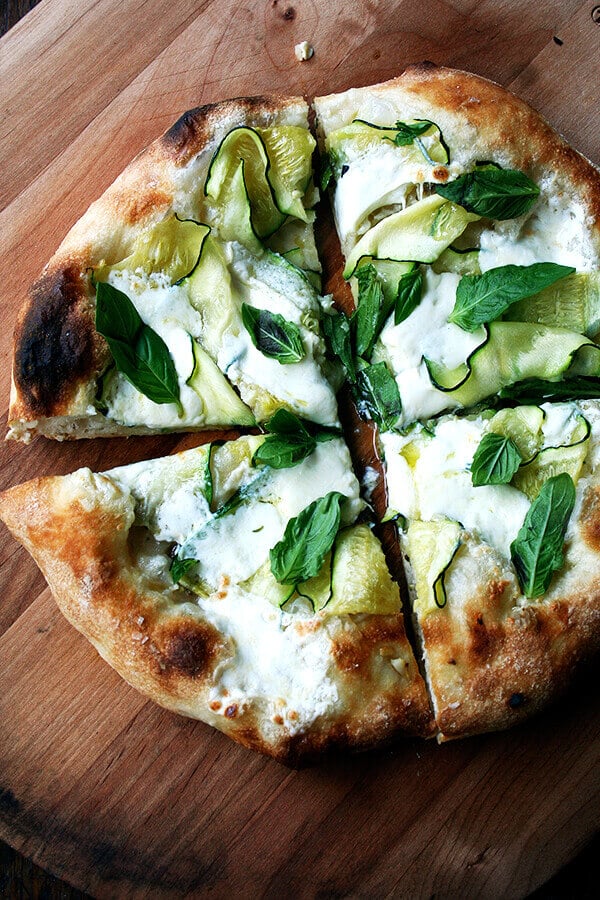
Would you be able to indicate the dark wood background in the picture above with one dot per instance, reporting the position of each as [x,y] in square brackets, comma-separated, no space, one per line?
[514,43]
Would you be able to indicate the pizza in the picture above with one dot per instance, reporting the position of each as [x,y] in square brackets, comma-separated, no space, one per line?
[242,583]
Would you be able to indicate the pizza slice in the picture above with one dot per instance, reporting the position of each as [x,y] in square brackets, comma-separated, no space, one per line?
[187,296]
[471,236]
[237,583]
[498,515]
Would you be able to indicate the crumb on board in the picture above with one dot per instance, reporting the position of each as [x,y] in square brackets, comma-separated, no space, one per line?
[303,51]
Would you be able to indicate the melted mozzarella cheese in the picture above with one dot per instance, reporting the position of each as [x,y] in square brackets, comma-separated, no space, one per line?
[439,484]
[167,310]
[276,659]
[237,544]
[551,234]
[427,333]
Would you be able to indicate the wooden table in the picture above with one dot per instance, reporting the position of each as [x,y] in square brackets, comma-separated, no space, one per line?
[109,792]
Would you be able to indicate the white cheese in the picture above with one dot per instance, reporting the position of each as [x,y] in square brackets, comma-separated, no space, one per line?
[237,544]
[439,484]
[166,309]
[427,332]
[276,659]
[551,234]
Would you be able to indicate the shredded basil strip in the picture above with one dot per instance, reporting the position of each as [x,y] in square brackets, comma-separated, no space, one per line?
[407,132]
[410,292]
[483,298]
[307,540]
[208,479]
[180,567]
[273,335]
[537,551]
[496,460]
[140,354]
[377,395]
[338,335]
[533,391]
[288,441]
[492,192]
[326,172]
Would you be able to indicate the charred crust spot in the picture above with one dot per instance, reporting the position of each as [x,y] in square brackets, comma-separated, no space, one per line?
[195,129]
[516,700]
[190,649]
[55,342]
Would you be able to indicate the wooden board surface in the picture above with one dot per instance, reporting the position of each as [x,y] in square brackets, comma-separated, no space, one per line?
[101,787]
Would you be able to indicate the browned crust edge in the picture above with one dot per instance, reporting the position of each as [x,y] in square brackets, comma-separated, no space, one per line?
[170,653]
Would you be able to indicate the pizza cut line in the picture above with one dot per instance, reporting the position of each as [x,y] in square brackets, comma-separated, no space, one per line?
[242,583]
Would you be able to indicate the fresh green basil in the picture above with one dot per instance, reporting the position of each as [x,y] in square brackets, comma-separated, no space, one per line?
[208,479]
[406,132]
[140,354]
[377,396]
[537,551]
[533,391]
[180,567]
[273,335]
[496,460]
[371,311]
[483,298]
[492,192]
[326,172]
[338,335]
[287,443]
[410,291]
[307,540]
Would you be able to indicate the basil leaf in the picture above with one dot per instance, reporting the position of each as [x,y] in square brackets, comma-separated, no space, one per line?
[287,443]
[410,291]
[496,460]
[482,298]
[208,479]
[180,567]
[290,440]
[492,192]
[537,551]
[140,354]
[307,540]
[365,319]
[371,312]
[377,396]
[273,335]
[326,172]
[408,131]
[533,391]
[338,335]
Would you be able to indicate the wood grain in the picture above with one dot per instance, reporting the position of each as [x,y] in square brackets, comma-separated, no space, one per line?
[107,791]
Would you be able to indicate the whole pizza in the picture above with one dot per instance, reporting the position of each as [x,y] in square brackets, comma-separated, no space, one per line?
[242,582]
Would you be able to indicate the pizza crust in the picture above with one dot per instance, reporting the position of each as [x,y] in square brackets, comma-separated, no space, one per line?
[58,355]
[480,120]
[493,658]
[110,587]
